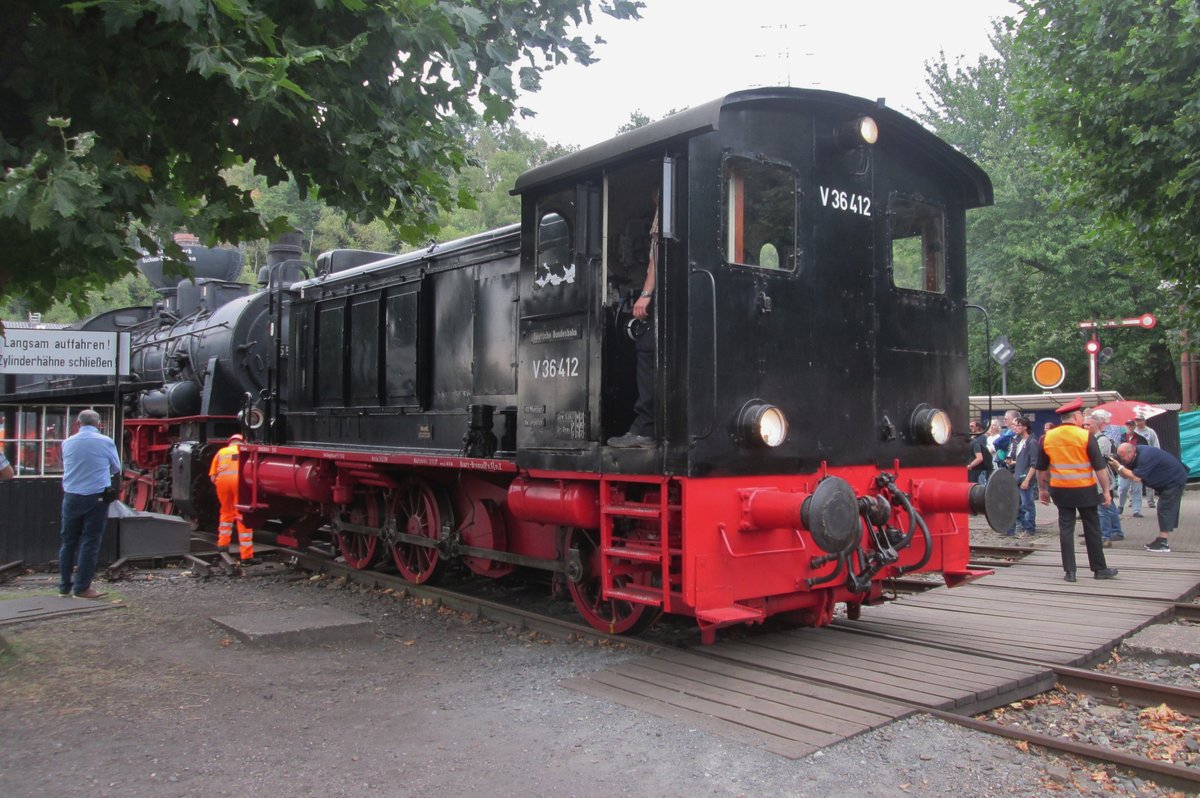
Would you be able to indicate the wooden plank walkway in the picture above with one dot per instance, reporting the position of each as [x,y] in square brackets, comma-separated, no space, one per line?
[965,650]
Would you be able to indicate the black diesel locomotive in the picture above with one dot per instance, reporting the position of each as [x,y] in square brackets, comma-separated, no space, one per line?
[453,405]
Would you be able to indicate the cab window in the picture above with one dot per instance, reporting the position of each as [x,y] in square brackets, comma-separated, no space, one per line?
[760,213]
[554,264]
[918,245]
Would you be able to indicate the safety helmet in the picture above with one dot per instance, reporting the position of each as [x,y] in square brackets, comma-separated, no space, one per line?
[237,436]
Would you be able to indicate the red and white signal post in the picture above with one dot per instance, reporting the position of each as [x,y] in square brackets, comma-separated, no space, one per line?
[1146,321]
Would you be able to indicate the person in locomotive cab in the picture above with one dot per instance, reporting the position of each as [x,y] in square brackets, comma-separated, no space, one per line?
[641,432]
[1069,468]
[6,470]
[224,475]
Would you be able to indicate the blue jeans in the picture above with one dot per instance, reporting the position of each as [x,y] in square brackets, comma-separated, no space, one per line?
[1027,515]
[83,522]
[1131,491]
[1110,522]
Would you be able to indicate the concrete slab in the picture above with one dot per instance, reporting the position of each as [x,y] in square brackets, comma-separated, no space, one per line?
[297,626]
[1177,642]
[34,608]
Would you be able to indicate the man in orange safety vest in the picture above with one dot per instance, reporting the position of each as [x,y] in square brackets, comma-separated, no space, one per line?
[1072,472]
[224,474]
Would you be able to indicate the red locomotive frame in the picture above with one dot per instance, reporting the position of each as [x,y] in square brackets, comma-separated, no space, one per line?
[728,550]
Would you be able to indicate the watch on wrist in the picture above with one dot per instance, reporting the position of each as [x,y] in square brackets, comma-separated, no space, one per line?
[646,294]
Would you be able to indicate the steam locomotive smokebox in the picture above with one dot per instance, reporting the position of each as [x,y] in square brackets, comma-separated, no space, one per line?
[154,535]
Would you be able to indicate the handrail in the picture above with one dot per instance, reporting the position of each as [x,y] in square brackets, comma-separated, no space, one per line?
[713,410]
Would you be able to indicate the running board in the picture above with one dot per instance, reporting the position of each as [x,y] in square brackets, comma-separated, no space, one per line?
[735,613]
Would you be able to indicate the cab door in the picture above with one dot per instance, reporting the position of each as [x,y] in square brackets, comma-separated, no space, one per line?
[558,349]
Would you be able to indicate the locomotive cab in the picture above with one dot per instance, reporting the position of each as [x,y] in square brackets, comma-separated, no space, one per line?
[831,246]
[582,271]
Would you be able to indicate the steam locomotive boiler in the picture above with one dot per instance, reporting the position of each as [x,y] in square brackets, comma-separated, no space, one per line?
[195,357]
[454,404]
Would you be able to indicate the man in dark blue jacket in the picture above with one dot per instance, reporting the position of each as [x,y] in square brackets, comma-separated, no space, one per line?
[1162,472]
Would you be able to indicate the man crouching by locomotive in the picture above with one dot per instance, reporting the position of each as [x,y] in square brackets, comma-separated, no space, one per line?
[1069,467]
[224,475]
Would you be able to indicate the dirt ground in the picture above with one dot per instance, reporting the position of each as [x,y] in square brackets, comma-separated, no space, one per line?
[154,699]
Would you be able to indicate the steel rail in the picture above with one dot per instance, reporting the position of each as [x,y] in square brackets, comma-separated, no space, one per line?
[1112,688]
[481,608]
[1186,612]
[1002,552]
[1163,773]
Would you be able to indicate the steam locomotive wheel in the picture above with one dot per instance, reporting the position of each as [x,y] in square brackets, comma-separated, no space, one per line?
[419,510]
[608,615]
[358,549]
[138,493]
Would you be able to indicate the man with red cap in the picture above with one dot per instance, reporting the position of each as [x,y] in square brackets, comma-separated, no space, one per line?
[1069,468]
[224,475]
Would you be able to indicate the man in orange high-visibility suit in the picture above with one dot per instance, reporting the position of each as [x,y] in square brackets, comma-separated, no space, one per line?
[224,474]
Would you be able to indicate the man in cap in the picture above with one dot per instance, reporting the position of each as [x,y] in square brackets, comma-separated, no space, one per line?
[1144,431]
[1069,469]
[1131,491]
[1162,471]
[1110,519]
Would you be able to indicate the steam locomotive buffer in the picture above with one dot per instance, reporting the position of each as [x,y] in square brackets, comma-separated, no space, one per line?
[808,330]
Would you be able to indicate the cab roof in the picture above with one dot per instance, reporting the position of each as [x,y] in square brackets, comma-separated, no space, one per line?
[653,138]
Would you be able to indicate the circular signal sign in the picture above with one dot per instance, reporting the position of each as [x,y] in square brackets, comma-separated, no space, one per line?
[1148,321]
[1049,373]
[1092,346]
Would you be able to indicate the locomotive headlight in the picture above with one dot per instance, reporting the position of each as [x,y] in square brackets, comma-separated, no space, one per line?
[930,425]
[861,132]
[763,424]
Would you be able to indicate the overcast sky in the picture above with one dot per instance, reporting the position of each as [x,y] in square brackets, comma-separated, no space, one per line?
[684,52]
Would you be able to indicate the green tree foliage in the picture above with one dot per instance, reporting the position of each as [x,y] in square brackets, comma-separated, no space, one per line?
[499,155]
[1034,263]
[1113,88]
[120,116]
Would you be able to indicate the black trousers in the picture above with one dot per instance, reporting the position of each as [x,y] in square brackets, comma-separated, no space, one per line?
[643,424]
[1090,516]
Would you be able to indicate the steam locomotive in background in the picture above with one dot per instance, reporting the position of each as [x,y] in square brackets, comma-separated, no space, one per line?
[452,405]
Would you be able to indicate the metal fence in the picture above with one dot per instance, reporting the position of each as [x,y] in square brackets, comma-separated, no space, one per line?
[30,517]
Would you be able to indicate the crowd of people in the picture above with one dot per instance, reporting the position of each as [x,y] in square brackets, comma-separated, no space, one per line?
[1091,470]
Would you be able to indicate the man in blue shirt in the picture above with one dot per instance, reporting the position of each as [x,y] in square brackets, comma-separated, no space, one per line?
[89,462]
[1166,475]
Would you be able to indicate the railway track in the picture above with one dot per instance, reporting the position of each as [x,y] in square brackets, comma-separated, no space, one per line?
[1114,690]
[460,600]
[1106,688]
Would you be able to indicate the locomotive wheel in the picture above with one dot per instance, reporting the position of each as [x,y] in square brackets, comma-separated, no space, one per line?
[358,549]
[420,510]
[608,615]
[138,493]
